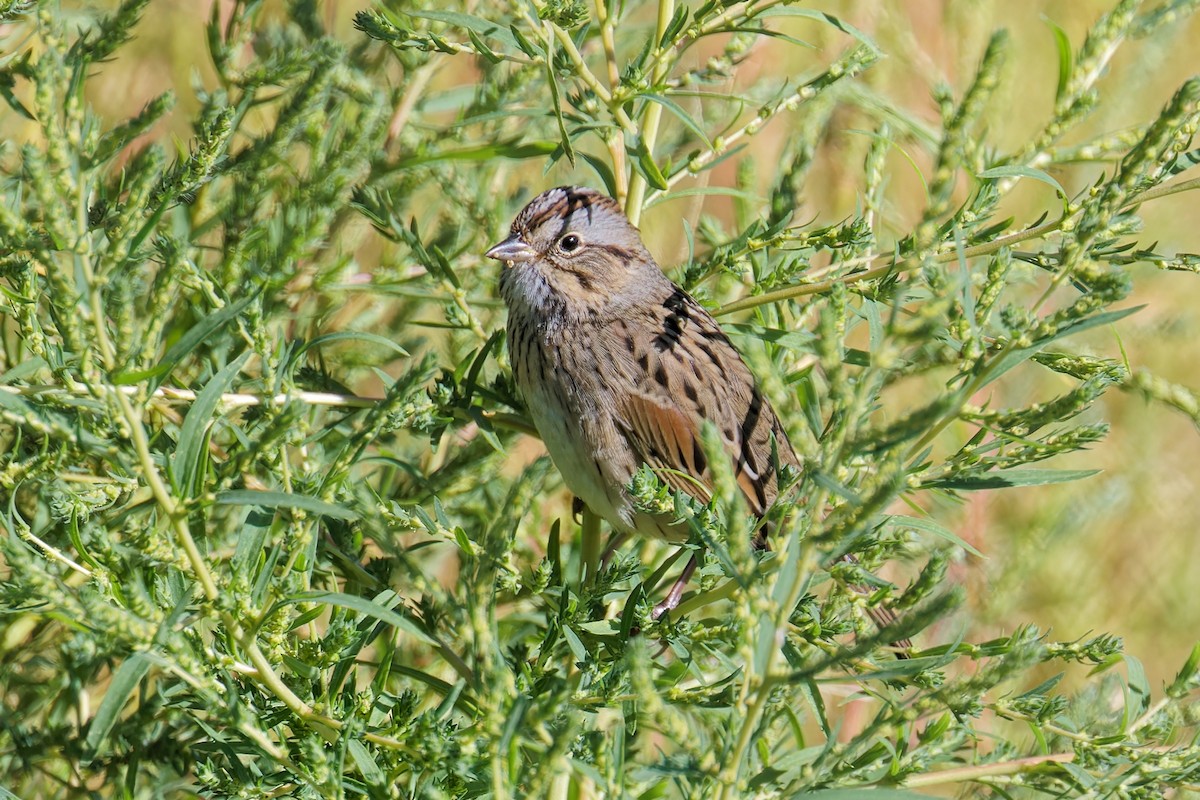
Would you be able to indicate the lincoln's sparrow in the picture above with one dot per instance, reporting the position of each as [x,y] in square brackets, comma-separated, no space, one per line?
[620,367]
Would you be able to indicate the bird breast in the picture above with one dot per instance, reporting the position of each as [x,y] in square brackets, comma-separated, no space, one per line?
[572,404]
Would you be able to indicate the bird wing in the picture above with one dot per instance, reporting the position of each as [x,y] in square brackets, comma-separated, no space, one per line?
[690,372]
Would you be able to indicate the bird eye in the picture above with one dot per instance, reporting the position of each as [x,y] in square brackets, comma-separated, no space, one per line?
[569,242]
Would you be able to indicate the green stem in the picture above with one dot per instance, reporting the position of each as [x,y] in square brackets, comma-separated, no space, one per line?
[590,80]
[974,773]
[652,115]
[616,151]
[742,14]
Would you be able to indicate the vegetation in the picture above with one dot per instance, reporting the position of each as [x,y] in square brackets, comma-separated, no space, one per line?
[273,522]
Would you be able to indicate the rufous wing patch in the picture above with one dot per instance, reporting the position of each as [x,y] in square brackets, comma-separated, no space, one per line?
[666,439]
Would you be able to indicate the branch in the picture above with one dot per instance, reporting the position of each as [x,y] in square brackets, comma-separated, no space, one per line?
[974,773]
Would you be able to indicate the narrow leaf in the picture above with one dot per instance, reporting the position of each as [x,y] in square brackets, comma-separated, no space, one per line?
[1062,44]
[186,344]
[556,107]
[1010,360]
[683,116]
[482,152]
[865,794]
[186,463]
[371,772]
[1023,172]
[253,497]
[829,19]
[648,169]
[366,607]
[929,526]
[359,336]
[1013,477]
[124,681]
[479,25]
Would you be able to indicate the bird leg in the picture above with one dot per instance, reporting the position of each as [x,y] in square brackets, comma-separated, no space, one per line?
[673,597]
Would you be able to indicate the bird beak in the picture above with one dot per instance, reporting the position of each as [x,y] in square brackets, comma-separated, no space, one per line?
[511,250]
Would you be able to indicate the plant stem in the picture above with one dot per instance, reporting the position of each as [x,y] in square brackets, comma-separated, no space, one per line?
[616,150]
[652,115]
[974,773]
[590,80]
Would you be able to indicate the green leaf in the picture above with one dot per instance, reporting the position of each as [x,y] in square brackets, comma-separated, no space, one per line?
[187,343]
[674,27]
[189,450]
[368,608]
[17,405]
[829,19]
[895,146]
[1186,679]
[929,526]
[1137,687]
[1009,478]
[1011,359]
[124,681]
[7,84]
[578,650]
[478,25]
[371,772]
[556,107]
[705,190]
[26,368]
[1062,44]
[359,336]
[267,499]
[644,164]
[482,152]
[603,172]
[482,49]
[1023,172]
[683,116]
[523,44]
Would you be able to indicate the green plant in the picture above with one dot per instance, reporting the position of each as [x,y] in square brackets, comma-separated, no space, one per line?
[226,573]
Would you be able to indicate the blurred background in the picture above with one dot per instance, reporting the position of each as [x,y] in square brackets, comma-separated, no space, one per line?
[1116,553]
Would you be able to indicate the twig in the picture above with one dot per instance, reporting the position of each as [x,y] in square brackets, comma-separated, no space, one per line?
[412,93]
[651,116]
[974,773]
[230,399]
[590,80]
[616,149]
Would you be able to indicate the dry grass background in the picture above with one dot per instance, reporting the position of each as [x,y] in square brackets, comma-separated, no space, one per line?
[1116,553]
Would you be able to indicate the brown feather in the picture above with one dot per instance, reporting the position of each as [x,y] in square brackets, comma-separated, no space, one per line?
[693,374]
